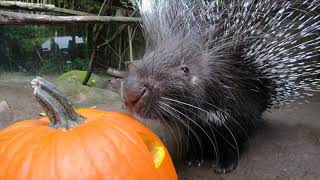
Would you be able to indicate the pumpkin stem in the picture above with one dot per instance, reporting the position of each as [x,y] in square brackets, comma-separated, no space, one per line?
[57,107]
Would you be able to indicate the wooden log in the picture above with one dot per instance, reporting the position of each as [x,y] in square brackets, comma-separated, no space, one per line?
[13,18]
[49,7]
[115,72]
[40,7]
[26,6]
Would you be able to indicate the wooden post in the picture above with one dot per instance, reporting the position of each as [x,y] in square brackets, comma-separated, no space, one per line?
[130,43]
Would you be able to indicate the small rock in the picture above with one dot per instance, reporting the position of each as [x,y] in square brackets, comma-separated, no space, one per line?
[5,114]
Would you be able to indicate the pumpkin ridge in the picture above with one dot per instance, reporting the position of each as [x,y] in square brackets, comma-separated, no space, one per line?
[62,145]
[55,153]
[94,124]
[84,147]
[23,143]
[11,141]
[111,142]
[120,129]
[5,150]
[143,148]
[107,135]
[117,126]
[9,137]
[46,149]
[31,159]
[130,163]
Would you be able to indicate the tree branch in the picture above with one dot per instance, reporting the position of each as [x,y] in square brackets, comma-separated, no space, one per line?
[97,30]
[114,36]
[13,18]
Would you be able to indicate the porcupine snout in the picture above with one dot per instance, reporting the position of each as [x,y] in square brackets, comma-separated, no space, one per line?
[134,95]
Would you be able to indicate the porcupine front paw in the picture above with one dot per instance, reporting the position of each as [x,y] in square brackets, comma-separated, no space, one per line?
[223,168]
[194,162]
[227,162]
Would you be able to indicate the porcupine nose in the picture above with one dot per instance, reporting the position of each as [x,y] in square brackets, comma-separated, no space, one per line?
[133,97]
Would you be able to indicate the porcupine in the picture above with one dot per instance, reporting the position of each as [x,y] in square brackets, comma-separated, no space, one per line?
[215,67]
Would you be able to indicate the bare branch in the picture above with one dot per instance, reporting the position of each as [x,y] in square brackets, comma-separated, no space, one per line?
[97,30]
[114,36]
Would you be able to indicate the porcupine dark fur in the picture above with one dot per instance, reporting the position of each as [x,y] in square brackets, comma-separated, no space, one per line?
[215,67]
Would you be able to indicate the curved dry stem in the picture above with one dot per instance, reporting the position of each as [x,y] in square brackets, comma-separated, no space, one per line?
[58,108]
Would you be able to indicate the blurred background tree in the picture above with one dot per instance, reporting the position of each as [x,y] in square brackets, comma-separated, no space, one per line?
[43,49]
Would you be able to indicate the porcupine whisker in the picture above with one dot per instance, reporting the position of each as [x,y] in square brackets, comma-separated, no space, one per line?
[236,144]
[149,106]
[224,112]
[180,136]
[185,124]
[210,126]
[215,107]
[168,109]
[172,111]
[166,124]
[163,127]
[194,122]
[191,120]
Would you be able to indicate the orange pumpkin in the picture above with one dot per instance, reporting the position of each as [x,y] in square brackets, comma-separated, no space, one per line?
[86,144]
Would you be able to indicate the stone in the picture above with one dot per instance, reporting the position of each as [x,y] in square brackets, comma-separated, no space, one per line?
[5,114]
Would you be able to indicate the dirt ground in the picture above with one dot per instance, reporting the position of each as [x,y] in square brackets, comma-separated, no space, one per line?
[288,147]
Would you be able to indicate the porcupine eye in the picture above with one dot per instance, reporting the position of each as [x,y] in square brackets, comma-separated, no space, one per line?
[185,69]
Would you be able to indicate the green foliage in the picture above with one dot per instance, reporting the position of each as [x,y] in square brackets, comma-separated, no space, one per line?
[49,66]
[77,76]
[26,37]
[91,6]
[78,63]
[20,46]
[57,66]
